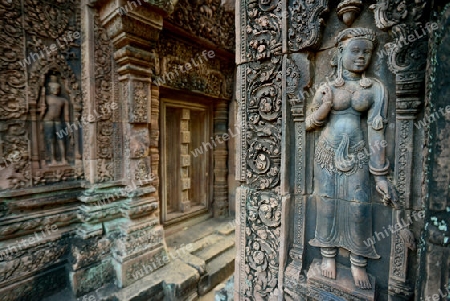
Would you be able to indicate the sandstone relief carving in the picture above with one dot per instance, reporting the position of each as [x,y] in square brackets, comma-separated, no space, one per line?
[208,19]
[54,112]
[305,18]
[341,164]
[348,10]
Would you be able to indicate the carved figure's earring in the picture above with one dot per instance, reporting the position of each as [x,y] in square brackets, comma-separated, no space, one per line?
[365,82]
[339,81]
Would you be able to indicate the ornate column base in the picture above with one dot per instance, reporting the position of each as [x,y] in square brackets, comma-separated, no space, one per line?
[139,243]
[91,266]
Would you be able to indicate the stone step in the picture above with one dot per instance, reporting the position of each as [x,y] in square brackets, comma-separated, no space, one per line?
[205,242]
[217,271]
[214,250]
[191,234]
[195,262]
[226,229]
[176,281]
[224,291]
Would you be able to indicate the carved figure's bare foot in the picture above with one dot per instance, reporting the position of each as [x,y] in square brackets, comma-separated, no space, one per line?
[360,277]
[329,267]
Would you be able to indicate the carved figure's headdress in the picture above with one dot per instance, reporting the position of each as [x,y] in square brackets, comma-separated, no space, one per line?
[356,33]
[54,81]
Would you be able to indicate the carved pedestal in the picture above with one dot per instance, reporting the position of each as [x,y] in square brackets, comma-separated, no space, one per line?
[340,289]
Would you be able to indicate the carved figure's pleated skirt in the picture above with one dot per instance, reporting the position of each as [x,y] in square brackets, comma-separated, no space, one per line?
[344,210]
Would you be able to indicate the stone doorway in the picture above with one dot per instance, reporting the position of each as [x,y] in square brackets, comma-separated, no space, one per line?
[186,160]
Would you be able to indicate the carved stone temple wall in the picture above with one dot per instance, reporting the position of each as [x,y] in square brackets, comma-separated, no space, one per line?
[81,89]
[285,50]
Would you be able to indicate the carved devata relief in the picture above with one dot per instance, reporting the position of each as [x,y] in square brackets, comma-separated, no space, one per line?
[341,163]
[36,139]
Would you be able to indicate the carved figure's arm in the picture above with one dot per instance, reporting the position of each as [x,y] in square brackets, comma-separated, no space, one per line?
[66,111]
[378,163]
[43,105]
[323,104]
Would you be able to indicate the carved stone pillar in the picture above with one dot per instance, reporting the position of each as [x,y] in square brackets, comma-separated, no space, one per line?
[297,77]
[91,263]
[134,34]
[407,56]
[435,256]
[120,224]
[220,198]
[272,143]
[410,75]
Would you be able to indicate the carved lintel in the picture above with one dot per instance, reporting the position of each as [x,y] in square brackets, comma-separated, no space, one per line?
[131,23]
[132,60]
[207,20]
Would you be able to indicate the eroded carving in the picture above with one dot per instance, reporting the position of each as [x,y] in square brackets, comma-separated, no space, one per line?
[263,31]
[207,19]
[262,244]
[304,23]
[264,124]
[54,112]
[392,12]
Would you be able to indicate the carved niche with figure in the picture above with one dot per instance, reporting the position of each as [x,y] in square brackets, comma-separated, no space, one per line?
[54,113]
[56,128]
[342,166]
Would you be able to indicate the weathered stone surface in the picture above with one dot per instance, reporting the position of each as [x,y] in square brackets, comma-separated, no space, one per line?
[224,291]
[217,269]
[294,188]
[80,119]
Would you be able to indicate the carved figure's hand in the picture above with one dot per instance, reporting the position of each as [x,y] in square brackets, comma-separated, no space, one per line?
[70,135]
[327,97]
[387,190]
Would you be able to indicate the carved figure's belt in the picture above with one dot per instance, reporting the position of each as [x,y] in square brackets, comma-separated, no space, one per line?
[343,159]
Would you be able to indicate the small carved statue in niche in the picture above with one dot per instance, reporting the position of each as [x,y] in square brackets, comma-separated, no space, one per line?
[342,163]
[54,114]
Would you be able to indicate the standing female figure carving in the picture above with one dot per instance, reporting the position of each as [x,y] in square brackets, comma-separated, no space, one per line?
[341,164]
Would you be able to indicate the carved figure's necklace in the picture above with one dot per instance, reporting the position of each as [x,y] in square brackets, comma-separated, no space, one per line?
[363,82]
